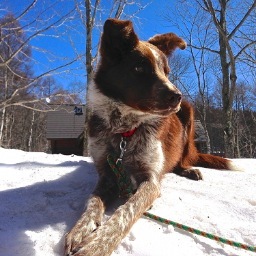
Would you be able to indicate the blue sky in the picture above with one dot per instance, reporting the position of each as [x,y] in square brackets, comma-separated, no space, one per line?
[61,42]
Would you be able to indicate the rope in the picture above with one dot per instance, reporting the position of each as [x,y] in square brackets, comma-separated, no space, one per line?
[123,180]
[125,190]
[200,233]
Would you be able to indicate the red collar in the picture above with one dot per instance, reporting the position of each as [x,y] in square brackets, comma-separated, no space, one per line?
[129,133]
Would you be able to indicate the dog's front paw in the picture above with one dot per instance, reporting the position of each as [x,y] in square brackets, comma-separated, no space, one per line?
[78,233]
[101,242]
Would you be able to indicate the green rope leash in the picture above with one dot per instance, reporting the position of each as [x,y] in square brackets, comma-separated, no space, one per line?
[123,180]
[125,190]
[200,233]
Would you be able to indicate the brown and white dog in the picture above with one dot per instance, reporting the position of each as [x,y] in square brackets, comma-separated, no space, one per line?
[132,102]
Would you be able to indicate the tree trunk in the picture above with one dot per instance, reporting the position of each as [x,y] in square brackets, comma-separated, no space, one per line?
[226,87]
[31,132]
[3,118]
[2,127]
[208,141]
[228,133]
[11,126]
[89,70]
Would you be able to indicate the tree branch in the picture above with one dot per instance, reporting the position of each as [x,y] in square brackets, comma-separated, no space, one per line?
[243,49]
[204,48]
[242,20]
[34,35]
[32,81]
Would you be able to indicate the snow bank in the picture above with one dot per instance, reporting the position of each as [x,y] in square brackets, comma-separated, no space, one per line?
[43,195]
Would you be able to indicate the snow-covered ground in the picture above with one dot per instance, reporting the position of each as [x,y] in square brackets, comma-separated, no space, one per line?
[42,195]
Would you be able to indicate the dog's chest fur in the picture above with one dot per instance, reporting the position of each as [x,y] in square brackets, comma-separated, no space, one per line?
[109,119]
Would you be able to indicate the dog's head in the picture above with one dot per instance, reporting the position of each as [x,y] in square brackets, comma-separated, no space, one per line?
[135,72]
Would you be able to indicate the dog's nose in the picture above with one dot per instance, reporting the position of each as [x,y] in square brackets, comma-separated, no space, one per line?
[172,94]
[174,98]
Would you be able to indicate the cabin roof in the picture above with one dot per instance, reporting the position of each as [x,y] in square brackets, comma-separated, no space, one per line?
[65,121]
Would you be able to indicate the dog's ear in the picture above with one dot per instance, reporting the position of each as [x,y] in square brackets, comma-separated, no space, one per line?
[118,39]
[167,43]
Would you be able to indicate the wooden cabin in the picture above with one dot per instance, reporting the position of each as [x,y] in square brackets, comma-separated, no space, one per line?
[65,128]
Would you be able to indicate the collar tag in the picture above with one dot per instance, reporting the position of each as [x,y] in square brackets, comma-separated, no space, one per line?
[123,149]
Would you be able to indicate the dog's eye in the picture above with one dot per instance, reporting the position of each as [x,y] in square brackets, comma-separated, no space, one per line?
[138,69]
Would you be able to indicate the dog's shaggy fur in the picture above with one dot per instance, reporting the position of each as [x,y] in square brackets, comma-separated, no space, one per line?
[131,91]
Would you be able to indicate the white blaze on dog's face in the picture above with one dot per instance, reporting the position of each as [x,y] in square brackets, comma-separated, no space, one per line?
[134,72]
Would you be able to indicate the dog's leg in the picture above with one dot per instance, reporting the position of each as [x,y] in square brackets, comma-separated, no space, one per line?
[91,219]
[190,173]
[105,239]
[190,154]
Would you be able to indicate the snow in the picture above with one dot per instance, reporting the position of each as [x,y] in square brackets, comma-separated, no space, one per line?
[42,196]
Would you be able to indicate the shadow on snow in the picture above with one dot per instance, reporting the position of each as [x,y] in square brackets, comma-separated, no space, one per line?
[34,207]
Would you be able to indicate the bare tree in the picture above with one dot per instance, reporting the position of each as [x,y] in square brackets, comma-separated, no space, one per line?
[200,62]
[14,71]
[230,39]
[20,86]
[44,23]
[244,125]
[228,61]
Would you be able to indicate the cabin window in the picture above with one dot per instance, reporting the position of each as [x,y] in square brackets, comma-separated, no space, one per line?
[78,111]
